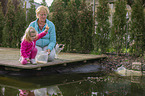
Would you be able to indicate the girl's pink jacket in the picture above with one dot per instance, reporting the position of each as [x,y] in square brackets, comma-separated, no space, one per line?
[26,46]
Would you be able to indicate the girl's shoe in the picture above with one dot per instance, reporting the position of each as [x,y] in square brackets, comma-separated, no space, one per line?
[33,61]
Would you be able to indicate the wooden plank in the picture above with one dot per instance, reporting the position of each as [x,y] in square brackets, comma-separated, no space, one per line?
[10,56]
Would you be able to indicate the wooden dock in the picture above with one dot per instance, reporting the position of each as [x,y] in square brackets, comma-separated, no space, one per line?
[9,57]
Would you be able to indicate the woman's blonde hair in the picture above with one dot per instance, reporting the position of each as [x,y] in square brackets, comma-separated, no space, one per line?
[27,35]
[41,8]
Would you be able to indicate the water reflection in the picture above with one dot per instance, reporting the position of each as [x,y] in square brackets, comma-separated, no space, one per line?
[49,91]
[26,93]
[92,84]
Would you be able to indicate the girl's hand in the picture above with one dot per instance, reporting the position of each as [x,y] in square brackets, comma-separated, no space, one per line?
[28,60]
[46,28]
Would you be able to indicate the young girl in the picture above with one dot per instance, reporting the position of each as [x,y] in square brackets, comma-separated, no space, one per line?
[28,50]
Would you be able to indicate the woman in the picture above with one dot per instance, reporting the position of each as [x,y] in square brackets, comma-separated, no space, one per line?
[47,43]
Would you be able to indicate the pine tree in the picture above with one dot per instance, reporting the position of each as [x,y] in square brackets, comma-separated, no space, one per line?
[119,25]
[137,28]
[31,12]
[4,5]
[103,27]
[83,37]
[8,27]
[1,23]
[62,21]
[58,19]
[78,3]
[19,26]
[71,26]
[44,3]
[52,7]
[65,2]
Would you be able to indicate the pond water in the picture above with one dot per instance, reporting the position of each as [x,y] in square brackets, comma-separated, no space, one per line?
[73,84]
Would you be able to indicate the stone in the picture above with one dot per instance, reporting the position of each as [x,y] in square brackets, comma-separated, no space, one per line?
[137,66]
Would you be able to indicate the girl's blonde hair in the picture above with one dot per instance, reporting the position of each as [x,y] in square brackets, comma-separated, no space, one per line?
[27,35]
[41,8]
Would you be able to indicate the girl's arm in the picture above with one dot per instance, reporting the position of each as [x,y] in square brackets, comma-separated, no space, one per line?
[23,49]
[42,34]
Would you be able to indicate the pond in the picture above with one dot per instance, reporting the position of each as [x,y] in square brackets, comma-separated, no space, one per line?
[96,83]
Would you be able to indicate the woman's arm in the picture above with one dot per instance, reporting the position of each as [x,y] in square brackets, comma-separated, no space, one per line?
[52,37]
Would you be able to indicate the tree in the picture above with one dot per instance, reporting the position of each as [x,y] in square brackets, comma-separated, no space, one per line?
[9,23]
[85,29]
[78,3]
[4,5]
[137,28]
[131,2]
[65,2]
[16,3]
[65,23]
[44,3]
[71,26]
[1,23]
[103,27]
[19,26]
[58,20]
[119,26]
[52,7]
[31,11]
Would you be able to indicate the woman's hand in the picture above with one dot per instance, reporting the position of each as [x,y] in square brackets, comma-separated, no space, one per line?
[48,50]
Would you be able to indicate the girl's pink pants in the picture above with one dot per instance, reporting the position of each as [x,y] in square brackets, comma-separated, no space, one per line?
[32,56]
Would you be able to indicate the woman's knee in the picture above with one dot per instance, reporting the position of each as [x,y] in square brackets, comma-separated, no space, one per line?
[51,56]
[39,49]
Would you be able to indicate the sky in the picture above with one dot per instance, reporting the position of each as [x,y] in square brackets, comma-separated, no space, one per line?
[47,1]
